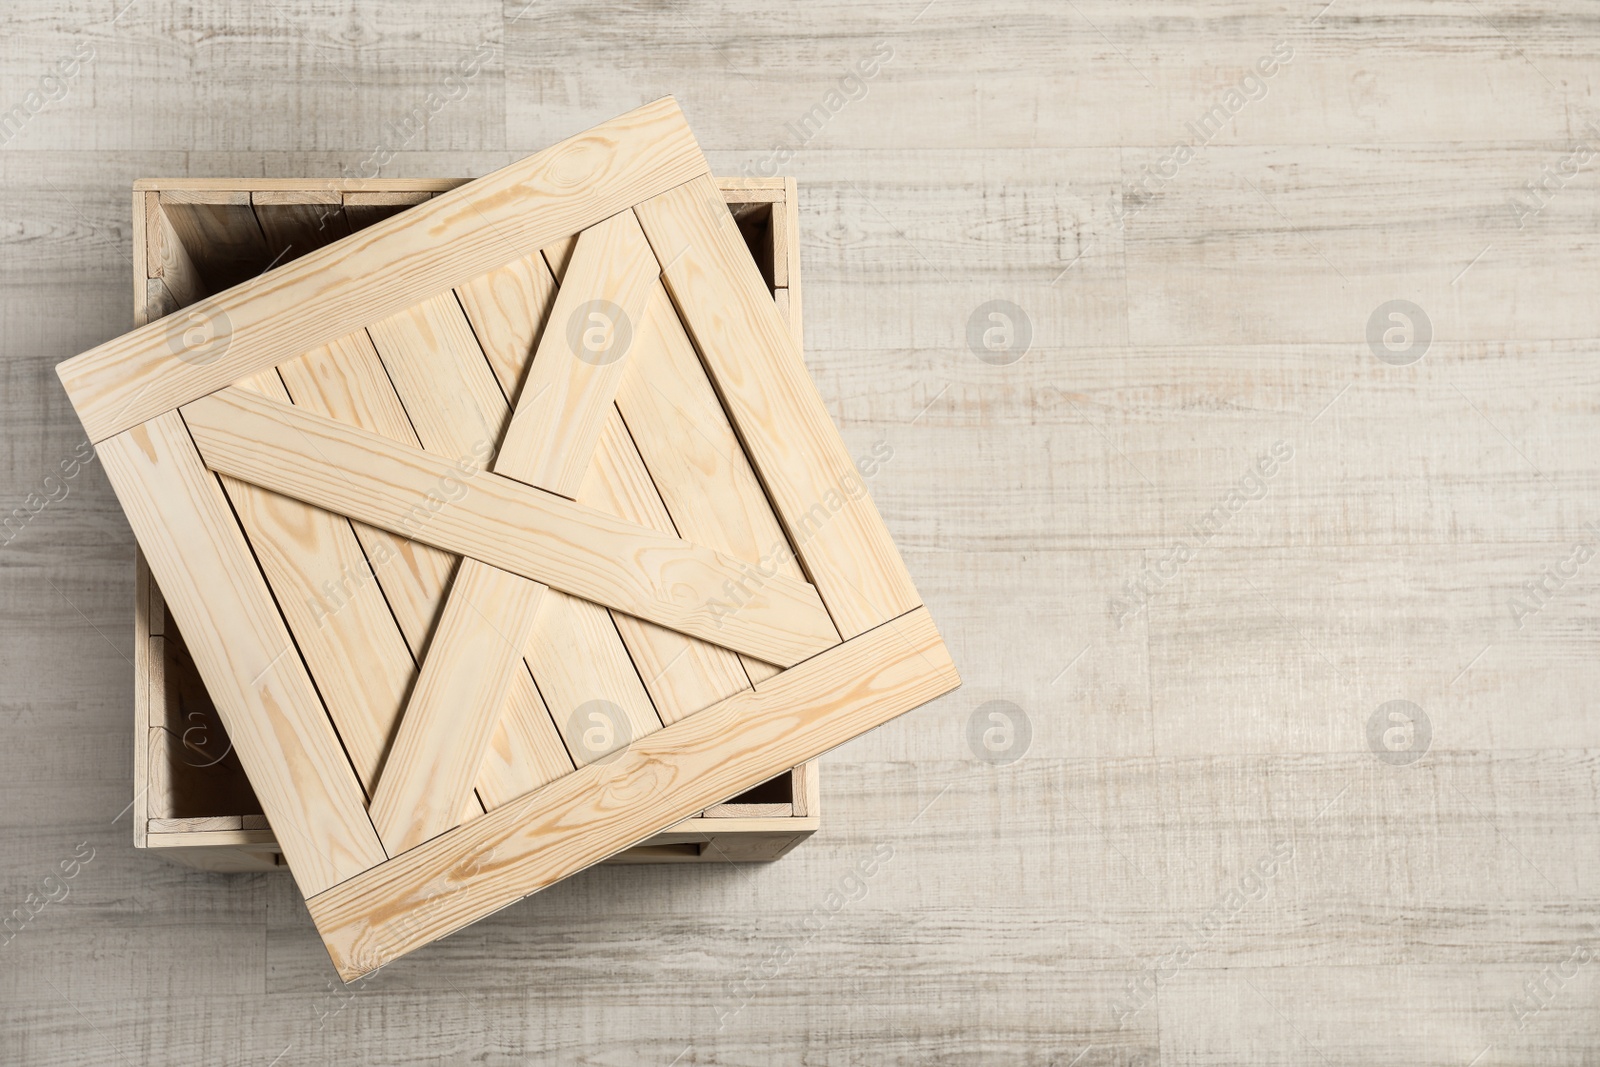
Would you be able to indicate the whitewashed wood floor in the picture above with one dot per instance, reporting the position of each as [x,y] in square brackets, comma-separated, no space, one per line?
[1101,899]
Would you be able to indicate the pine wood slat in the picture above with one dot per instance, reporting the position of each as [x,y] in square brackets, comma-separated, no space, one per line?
[364,208]
[336,612]
[347,380]
[295,223]
[450,719]
[229,242]
[244,653]
[681,673]
[508,309]
[344,380]
[567,394]
[387,267]
[503,522]
[525,750]
[692,452]
[585,816]
[751,355]
[447,389]
[576,656]
[165,257]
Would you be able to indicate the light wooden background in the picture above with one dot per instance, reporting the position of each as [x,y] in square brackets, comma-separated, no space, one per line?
[991,158]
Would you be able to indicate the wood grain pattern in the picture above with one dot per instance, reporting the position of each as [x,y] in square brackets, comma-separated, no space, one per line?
[585,816]
[695,458]
[341,623]
[574,653]
[387,267]
[298,222]
[165,255]
[568,392]
[362,208]
[576,549]
[438,370]
[751,356]
[244,652]
[450,719]
[681,674]
[345,380]
[507,308]
[525,750]
[229,243]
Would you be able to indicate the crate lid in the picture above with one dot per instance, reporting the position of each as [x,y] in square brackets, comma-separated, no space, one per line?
[506,533]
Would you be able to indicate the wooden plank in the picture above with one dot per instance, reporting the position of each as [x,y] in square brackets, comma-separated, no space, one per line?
[750,190]
[752,359]
[362,209]
[791,248]
[575,549]
[447,389]
[558,254]
[691,448]
[459,408]
[576,820]
[143,647]
[507,308]
[196,825]
[778,226]
[681,675]
[141,255]
[244,652]
[526,751]
[807,786]
[567,394]
[158,604]
[206,197]
[214,838]
[695,458]
[158,299]
[166,257]
[575,654]
[220,234]
[335,609]
[388,266]
[450,719]
[345,380]
[302,185]
[297,222]
[589,684]
[749,811]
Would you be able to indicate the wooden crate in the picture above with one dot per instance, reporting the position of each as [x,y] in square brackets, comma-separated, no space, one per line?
[192,801]
[506,533]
